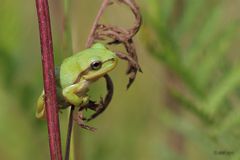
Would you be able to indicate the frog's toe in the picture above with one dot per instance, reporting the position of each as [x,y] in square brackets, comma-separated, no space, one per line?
[85,100]
[40,111]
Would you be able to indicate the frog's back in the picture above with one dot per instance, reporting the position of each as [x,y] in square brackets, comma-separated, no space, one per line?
[69,71]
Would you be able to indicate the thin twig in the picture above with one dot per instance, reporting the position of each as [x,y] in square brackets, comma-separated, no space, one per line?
[49,79]
[69,133]
[90,39]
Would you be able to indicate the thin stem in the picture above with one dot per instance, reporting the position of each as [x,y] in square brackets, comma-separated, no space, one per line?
[67,39]
[49,79]
[69,134]
[91,38]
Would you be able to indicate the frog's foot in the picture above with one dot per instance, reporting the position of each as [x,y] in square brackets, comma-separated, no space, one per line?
[99,108]
[90,105]
[40,111]
[80,121]
[85,100]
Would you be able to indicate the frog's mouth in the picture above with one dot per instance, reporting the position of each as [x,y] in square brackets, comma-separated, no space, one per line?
[107,66]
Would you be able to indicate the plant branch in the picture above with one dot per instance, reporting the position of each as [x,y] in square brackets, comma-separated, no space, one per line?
[69,133]
[91,37]
[49,79]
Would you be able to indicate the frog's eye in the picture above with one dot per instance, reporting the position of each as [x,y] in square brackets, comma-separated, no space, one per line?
[96,65]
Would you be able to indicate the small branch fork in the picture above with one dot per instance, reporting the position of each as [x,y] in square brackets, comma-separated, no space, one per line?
[49,79]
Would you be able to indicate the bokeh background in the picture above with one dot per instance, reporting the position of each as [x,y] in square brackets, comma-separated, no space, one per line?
[185,106]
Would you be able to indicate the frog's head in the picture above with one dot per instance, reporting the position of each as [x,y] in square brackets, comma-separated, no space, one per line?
[98,61]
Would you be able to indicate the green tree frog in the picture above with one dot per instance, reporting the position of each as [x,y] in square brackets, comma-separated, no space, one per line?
[77,73]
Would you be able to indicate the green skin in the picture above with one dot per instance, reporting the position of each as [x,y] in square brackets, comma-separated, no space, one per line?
[77,73]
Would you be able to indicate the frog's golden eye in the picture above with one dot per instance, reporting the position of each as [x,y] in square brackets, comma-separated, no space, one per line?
[96,65]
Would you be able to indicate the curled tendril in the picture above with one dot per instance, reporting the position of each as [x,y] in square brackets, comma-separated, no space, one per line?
[119,35]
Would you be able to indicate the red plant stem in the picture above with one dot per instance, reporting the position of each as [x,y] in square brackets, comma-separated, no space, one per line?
[49,79]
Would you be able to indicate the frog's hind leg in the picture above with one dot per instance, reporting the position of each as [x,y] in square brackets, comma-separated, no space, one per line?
[40,111]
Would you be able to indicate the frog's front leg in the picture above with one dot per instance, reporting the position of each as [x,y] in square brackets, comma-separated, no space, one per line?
[76,94]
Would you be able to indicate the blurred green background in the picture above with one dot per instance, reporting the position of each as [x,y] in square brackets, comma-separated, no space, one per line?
[185,106]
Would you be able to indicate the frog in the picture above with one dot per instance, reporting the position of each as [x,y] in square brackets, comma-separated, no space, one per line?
[76,74]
